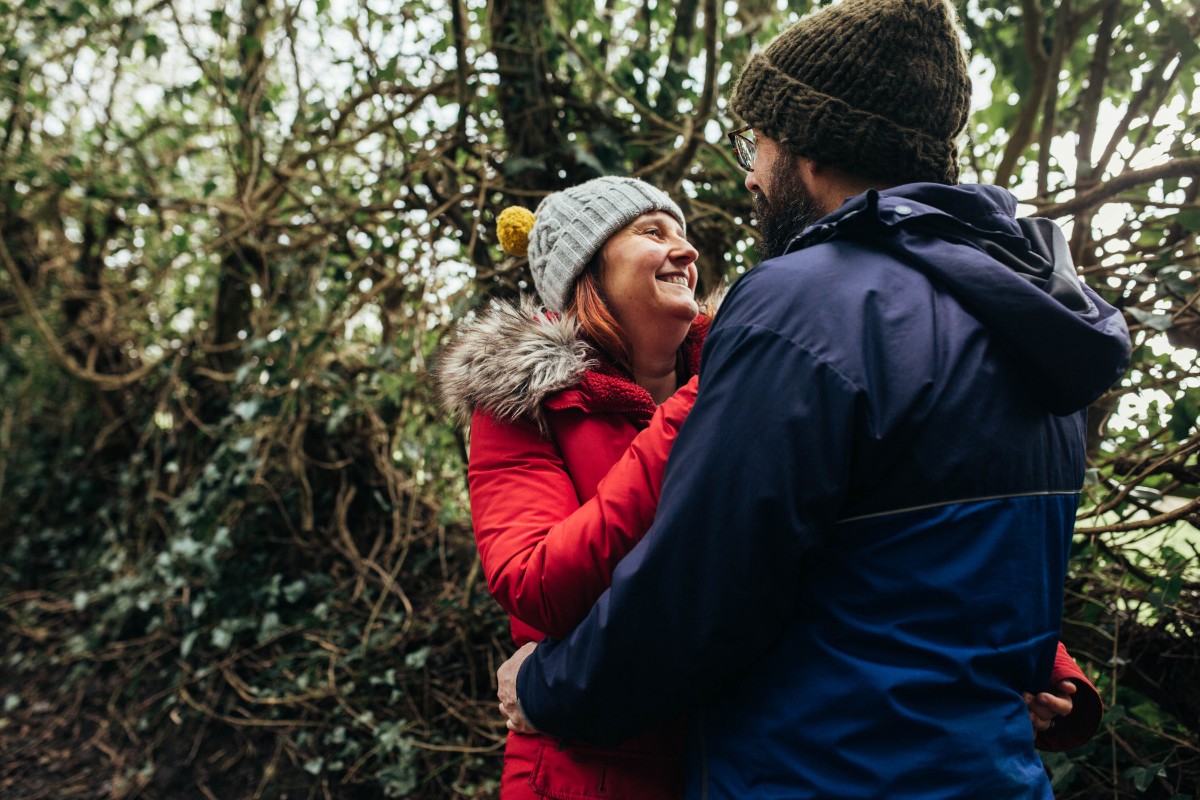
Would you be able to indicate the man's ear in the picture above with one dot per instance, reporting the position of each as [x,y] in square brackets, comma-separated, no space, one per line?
[832,185]
[822,182]
[810,170]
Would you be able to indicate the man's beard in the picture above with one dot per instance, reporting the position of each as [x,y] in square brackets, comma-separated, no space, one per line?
[790,209]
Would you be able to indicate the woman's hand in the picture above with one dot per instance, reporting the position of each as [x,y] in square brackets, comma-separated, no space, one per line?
[1046,707]
[506,690]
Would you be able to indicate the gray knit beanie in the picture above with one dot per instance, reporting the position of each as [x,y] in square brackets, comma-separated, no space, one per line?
[878,88]
[572,225]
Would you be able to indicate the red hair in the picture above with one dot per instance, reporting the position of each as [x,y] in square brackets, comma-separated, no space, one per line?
[596,321]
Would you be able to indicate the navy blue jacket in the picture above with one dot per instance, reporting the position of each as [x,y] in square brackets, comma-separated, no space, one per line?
[857,562]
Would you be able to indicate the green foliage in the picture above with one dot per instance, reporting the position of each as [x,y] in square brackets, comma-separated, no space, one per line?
[237,550]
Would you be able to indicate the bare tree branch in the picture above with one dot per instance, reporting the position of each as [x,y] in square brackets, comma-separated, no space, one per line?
[1107,191]
[107,383]
[1032,20]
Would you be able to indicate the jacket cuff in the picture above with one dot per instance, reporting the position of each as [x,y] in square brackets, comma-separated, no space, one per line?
[1078,727]
[523,677]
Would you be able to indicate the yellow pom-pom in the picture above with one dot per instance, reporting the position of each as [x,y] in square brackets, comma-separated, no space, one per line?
[512,229]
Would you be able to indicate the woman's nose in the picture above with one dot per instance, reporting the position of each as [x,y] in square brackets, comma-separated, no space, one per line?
[685,252]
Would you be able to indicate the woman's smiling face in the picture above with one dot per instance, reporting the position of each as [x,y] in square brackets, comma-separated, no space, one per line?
[648,272]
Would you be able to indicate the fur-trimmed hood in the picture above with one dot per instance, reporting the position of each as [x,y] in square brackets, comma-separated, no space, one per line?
[509,359]
[515,356]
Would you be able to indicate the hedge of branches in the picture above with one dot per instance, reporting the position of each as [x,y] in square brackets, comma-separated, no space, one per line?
[237,555]
[292,612]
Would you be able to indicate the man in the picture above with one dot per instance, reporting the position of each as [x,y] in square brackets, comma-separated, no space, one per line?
[858,557]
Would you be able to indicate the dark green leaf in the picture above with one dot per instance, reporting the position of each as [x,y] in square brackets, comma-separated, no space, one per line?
[1188,218]
[1062,770]
[587,159]
[1156,320]
[517,164]
[1113,715]
[153,46]
[1183,418]
[1142,777]
[1169,278]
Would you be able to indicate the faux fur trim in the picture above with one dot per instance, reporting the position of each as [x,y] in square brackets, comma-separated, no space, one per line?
[508,360]
[711,302]
[514,356]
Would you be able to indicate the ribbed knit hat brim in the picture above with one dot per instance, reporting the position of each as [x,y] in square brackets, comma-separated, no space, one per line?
[878,88]
[572,225]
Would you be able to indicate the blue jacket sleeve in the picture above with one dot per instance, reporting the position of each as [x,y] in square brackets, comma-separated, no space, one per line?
[756,479]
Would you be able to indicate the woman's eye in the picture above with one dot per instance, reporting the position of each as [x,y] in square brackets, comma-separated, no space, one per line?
[653,231]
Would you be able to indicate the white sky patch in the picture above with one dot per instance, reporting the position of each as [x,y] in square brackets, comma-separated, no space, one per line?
[982,73]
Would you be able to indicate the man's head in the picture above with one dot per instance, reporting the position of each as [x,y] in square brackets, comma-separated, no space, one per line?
[784,203]
[874,88]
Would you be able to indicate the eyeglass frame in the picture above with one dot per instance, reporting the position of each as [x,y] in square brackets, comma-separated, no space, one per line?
[738,135]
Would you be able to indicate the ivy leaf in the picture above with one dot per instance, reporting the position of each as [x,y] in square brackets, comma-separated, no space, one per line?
[1189,218]
[1062,770]
[294,590]
[518,164]
[153,47]
[1183,418]
[222,637]
[1151,319]
[1166,591]
[1181,37]
[1142,777]
[587,159]
[247,409]
[1169,278]
[417,658]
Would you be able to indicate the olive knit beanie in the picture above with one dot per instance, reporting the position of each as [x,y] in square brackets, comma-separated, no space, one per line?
[572,225]
[878,88]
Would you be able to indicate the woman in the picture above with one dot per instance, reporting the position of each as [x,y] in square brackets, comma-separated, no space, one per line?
[573,413]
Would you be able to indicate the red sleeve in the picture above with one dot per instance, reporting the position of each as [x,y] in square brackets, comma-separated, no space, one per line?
[1081,724]
[547,557]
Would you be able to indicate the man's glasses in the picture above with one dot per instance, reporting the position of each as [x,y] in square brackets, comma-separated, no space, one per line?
[744,147]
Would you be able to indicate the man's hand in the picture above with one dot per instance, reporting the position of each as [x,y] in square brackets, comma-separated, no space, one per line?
[506,678]
[1045,707]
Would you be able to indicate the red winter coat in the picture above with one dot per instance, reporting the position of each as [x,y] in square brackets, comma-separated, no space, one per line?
[565,468]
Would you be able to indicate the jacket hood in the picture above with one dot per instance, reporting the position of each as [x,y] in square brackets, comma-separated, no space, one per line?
[509,360]
[515,359]
[1014,275]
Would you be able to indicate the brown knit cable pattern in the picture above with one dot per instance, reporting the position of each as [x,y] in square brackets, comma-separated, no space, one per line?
[876,87]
